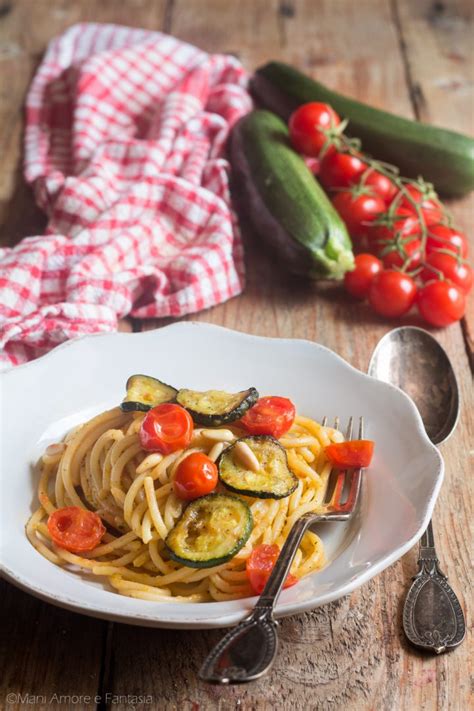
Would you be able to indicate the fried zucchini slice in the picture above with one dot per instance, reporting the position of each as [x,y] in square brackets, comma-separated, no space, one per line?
[211,530]
[145,392]
[216,407]
[273,480]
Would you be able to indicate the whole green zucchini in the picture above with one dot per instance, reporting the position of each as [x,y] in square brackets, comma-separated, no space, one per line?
[444,158]
[285,203]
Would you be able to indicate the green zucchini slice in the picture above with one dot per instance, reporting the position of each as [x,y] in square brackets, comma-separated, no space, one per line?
[274,480]
[216,407]
[145,392]
[211,530]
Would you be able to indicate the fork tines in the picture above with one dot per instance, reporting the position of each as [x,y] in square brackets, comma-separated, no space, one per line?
[344,479]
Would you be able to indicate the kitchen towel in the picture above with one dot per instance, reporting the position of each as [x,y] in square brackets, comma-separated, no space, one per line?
[124,148]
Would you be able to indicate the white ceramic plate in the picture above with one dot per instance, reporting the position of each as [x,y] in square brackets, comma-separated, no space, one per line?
[42,400]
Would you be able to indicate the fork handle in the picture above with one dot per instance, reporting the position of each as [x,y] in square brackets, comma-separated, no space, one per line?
[249,650]
[266,601]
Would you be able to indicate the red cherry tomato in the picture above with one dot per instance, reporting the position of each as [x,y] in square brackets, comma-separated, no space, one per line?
[401,224]
[313,164]
[441,303]
[426,199]
[452,268]
[260,564]
[311,127]
[356,453]
[166,428]
[404,251]
[381,185]
[340,170]
[358,281]
[196,475]
[358,210]
[76,530]
[270,416]
[444,237]
[392,293]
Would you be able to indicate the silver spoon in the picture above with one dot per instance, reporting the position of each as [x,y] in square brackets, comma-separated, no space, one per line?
[413,360]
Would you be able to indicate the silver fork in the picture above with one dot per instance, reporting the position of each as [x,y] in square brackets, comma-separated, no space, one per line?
[248,651]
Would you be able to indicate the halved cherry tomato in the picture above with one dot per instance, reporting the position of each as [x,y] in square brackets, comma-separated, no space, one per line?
[340,170]
[270,416]
[451,266]
[196,475]
[356,453]
[403,251]
[444,237]
[76,530]
[392,293]
[166,428]
[358,281]
[260,564]
[358,209]
[380,184]
[441,303]
[312,127]
[425,198]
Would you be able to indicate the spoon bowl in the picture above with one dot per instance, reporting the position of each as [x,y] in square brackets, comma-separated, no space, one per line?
[413,360]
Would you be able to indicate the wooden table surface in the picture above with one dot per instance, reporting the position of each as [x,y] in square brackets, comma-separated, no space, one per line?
[413,57]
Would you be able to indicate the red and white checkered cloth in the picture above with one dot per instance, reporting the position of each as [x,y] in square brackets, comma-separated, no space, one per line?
[125,131]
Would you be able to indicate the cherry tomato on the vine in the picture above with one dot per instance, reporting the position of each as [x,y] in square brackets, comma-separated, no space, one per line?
[196,475]
[358,210]
[392,293]
[444,237]
[405,251]
[260,564]
[313,164]
[402,223]
[427,202]
[166,428]
[441,303]
[380,184]
[451,267]
[312,128]
[358,281]
[340,170]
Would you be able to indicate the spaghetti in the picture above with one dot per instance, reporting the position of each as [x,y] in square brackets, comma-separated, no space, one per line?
[101,466]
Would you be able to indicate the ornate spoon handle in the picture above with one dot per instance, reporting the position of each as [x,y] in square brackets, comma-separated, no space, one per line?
[432,616]
[248,650]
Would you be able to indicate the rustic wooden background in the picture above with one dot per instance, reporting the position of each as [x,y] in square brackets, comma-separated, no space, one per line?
[414,57]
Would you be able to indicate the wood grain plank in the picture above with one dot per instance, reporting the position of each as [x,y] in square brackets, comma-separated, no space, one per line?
[366,664]
[18,214]
[46,651]
[440,70]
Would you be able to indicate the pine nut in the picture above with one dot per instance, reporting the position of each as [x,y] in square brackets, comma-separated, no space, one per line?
[217,450]
[150,461]
[218,435]
[246,456]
